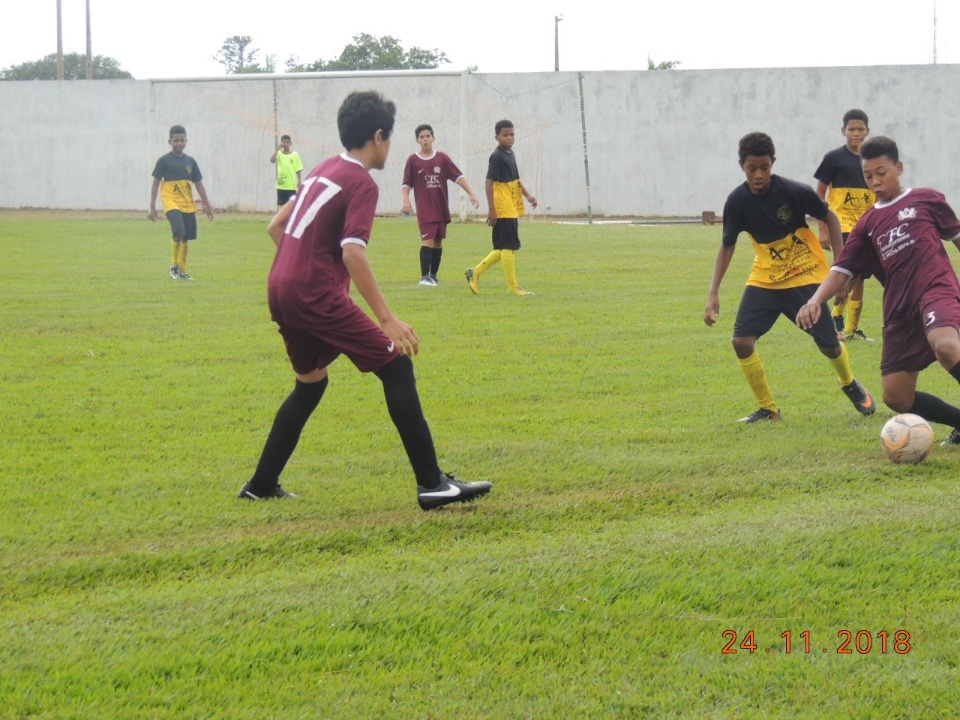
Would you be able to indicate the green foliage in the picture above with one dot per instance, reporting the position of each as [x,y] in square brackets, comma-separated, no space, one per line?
[237,57]
[368,52]
[74,68]
[665,65]
[631,524]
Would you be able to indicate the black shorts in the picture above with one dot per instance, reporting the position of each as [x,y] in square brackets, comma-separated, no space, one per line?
[283,196]
[760,308]
[182,225]
[506,234]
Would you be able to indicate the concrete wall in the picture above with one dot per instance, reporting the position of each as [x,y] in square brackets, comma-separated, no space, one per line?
[659,143]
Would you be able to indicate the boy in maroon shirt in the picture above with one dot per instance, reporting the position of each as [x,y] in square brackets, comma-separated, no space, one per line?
[321,236]
[900,240]
[427,173]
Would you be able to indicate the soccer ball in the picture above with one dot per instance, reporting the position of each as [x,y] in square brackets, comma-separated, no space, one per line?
[906,438]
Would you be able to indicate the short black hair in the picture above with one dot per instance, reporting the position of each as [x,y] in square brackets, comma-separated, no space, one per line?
[178,130]
[361,115]
[421,128]
[855,115]
[286,137]
[501,124]
[878,147]
[757,144]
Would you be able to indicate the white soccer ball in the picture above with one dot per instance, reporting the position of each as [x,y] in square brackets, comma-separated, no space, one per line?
[906,438]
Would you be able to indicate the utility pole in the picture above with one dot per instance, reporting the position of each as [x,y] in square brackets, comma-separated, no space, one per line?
[89,46]
[556,42]
[59,42]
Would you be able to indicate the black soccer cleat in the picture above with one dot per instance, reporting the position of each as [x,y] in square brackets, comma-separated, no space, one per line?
[761,414]
[861,399]
[249,492]
[952,439]
[450,491]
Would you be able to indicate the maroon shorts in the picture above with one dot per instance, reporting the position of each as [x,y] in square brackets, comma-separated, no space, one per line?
[352,333]
[905,346]
[433,231]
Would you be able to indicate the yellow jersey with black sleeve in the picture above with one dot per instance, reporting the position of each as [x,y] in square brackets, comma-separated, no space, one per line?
[848,195]
[507,193]
[177,174]
[787,253]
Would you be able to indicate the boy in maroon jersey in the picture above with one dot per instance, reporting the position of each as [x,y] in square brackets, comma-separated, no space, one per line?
[427,173]
[900,240]
[321,236]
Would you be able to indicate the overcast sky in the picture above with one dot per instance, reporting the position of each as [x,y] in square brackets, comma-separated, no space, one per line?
[158,40]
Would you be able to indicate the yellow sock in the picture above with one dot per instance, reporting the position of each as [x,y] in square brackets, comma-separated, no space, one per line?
[838,309]
[488,262]
[841,366]
[854,308]
[174,252]
[752,369]
[510,268]
[182,260]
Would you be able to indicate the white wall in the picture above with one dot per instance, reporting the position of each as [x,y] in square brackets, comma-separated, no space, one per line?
[660,143]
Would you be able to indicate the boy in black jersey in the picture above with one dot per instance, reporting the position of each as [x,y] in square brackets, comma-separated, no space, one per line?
[788,268]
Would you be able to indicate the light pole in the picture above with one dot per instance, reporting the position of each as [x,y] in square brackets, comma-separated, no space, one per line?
[556,42]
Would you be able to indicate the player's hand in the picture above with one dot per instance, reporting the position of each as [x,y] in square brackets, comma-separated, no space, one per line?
[843,293]
[532,200]
[152,214]
[209,212]
[711,313]
[824,236]
[808,316]
[406,209]
[403,336]
[491,217]
[476,203]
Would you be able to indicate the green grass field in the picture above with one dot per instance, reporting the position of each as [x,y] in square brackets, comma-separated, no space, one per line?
[632,522]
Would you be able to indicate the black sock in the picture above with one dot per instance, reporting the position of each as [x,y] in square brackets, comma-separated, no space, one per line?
[955,372]
[933,409]
[435,257]
[285,433]
[403,402]
[425,255]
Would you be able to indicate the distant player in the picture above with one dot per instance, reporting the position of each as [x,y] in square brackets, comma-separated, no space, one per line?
[426,174]
[289,167]
[505,194]
[322,237]
[900,240]
[787,269]
[840,182]
[174,176]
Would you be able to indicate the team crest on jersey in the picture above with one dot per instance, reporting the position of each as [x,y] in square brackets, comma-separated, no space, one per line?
[907,214]
[785,214]
[436,169]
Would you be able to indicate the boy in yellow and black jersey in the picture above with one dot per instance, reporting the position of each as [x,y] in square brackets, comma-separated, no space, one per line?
[505,194]
[788,267]
[840,182]
[174,177]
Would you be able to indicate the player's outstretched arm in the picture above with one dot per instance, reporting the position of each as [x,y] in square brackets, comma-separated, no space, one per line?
[462,182]
[712,311]
[355,258]
[279,223]
[206,202]
[809,314]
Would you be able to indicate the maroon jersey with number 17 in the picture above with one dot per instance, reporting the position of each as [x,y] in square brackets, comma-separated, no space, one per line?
[901,242]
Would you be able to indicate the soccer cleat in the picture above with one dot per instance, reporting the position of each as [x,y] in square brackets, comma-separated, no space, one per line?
[472,281]
[857,334]
[861,399]
[838,323]
[184,276]
[427,281]
[449,491]
[761,414]
[249,492]
[175,272]
[952,439]
[520,291]
[436,280]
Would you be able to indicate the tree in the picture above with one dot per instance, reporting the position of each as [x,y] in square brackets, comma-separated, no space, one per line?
[235,56]
[74,68]
[665,65]
[367,52]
